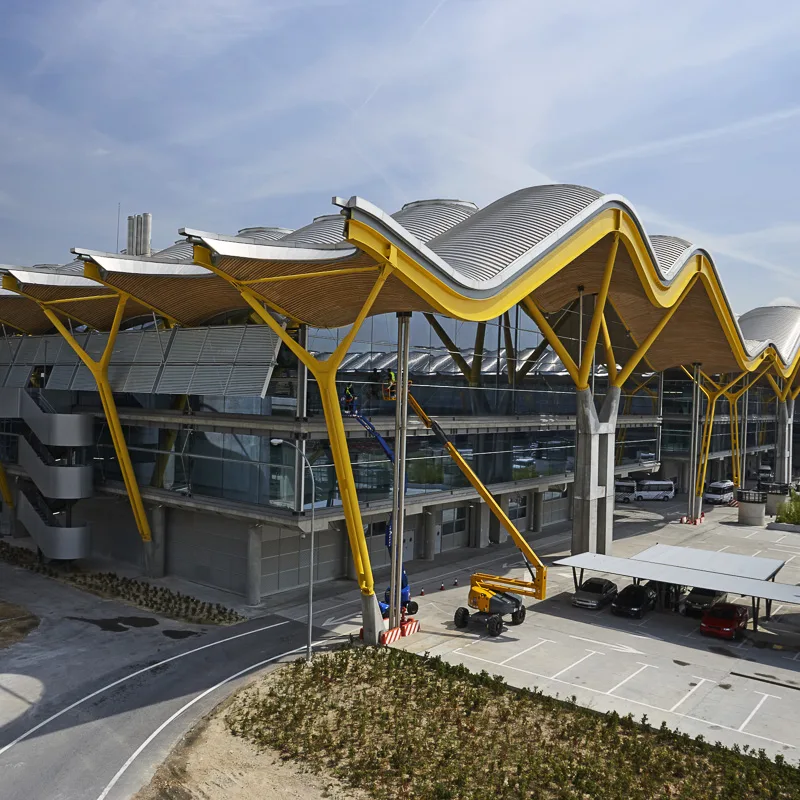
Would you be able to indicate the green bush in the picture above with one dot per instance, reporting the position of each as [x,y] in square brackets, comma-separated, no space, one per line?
[397,725]
[159,599]
[425,471]
[789,512]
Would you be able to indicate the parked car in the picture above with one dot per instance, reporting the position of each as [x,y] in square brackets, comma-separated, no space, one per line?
[725,620]
[634,600]
[719,492]
[698,600]
[594,593]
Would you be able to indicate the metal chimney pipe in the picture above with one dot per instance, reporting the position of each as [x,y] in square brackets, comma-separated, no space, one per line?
[147,229]
[137,248]
[131,234]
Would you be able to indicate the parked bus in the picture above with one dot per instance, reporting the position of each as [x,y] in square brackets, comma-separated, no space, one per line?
[654,490]
[719,492]
[624,491]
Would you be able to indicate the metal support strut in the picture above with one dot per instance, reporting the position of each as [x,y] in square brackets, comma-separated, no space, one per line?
[399,487]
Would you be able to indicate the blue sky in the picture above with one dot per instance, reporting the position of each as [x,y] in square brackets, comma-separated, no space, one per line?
[221,114]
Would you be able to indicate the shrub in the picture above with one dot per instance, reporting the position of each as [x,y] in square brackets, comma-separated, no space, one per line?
[789,512]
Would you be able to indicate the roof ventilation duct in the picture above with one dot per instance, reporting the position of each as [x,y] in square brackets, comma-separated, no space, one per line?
[140,230]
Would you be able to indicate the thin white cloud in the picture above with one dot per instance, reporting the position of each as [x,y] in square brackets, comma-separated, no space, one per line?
[762,123]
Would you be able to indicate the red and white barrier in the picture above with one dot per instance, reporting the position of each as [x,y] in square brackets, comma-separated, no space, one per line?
[409,626]
[392,635]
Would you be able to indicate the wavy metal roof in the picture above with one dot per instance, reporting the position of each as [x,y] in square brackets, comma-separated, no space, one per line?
[446,256]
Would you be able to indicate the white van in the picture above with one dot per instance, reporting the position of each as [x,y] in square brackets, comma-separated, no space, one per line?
[720,492]
[765,473]
[654,490]
[624,491]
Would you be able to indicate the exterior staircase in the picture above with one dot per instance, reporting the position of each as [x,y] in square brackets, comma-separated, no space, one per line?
[52,452]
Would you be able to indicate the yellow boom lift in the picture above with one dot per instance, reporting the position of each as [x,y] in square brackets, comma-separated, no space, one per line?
[491,596]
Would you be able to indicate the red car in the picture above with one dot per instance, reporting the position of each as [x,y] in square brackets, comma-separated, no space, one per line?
[724,620]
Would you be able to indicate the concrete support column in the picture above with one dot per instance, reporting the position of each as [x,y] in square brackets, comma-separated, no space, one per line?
[479,524]
[783,448]
[429,532]
[593,489]
[253,579]
[497,533]
[538,512]
[155,551]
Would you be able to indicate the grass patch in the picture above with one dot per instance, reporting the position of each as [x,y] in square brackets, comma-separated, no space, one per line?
[16,622]
[402,726]
[175,605]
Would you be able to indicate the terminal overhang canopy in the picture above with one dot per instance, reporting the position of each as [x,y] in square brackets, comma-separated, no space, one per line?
[541,242]
[683,576]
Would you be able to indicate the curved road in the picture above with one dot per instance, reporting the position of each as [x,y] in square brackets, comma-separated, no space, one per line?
[106,739]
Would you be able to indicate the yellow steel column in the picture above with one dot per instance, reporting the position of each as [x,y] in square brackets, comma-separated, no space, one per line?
[325,374]
[99,370]
[5,489]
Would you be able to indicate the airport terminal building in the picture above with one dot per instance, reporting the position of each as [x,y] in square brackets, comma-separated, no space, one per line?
[156,412]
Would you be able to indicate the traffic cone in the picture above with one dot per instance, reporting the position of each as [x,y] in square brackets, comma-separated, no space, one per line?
[422,593]
[441,588]
[455,582]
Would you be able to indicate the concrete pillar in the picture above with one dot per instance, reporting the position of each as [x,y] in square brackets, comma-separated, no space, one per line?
[155,551]
[497,533]
[593,489]
[783,447]
[253,579]
[538,512]
[570,501]
[479,524]
[429,532]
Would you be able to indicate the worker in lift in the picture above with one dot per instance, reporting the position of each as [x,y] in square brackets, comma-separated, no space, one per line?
[349,399]
[391,385]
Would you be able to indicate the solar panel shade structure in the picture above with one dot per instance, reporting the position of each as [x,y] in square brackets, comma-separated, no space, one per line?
[230,360]
[760,569]
[681,576]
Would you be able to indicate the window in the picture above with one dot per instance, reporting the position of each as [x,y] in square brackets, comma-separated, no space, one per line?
[454,520]
[518,507]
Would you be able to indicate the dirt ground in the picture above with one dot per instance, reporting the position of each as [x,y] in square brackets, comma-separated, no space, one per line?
[16,623]
[211,764]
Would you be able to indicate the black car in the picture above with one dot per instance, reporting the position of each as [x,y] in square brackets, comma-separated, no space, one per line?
[634,601]
[698,600]
[594,593]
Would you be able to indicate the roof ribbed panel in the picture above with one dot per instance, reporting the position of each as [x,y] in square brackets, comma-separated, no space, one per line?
[493,237]
[777,324]
[328,229]
[668,250]
[427,219]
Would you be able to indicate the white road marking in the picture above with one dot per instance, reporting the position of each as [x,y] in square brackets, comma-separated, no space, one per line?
[634,702]
[789,560]
[136,753]
[727,547]
[620,648]
[691,691]
[756,553]
[778,541]
[334,620]
[751,534]
[758,705]
[475,641]
[527,650]
[129,677]
[642,668]
[589,654]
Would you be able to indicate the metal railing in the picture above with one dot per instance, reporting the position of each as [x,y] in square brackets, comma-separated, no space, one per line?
[750,496]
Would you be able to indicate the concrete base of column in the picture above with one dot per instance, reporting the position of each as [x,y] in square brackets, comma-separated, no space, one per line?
[155,550]
[253,578]
[371,619]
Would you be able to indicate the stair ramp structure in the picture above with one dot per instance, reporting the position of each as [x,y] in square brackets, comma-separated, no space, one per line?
[53,457]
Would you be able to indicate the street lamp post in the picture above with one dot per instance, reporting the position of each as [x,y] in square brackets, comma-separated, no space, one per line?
[278,443]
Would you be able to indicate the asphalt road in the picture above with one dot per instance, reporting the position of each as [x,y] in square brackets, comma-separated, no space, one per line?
[106,738]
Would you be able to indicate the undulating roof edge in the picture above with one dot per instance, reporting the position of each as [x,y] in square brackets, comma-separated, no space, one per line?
[467,263]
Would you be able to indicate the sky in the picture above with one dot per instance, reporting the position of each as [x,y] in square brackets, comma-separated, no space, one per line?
[223,114]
